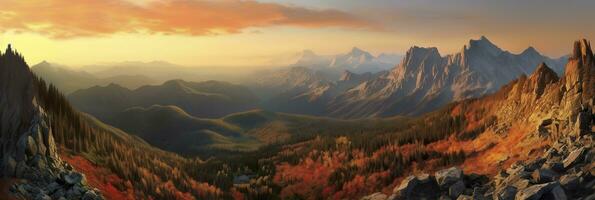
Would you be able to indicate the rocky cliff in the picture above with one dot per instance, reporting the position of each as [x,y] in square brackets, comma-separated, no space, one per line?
[552,157]
[29,152]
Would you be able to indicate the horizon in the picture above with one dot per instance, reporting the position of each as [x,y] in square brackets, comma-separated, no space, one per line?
[273,66]
[231,34]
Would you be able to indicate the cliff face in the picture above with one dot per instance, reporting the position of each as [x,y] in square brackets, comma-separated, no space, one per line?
[28,148]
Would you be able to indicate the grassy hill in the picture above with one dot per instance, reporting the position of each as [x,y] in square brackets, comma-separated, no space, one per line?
[172,129]
[201,99]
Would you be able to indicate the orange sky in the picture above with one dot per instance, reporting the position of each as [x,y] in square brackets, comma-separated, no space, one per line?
[257,33]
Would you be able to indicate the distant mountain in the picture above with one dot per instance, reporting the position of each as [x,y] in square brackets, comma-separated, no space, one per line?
[356,60]
[163,71]
[201,99]
[68,80]
[312,99]
[425,80]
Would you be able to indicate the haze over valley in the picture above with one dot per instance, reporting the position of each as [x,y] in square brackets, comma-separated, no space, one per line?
[259,99]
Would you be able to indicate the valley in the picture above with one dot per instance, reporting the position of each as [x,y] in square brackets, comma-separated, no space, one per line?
[256,120]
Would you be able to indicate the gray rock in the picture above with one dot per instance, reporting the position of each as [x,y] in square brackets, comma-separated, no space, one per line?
[506,193]
[41,196]
[573,157]
[535,164]
[91,195]
[37,135]
[557,193]
[554,165]
[53,187]
[569,182]
[535,192]
[58,194]
[456,189]
[52,151]
[73,178]
[447,177]
[38,162]
[544,175]
[406,186]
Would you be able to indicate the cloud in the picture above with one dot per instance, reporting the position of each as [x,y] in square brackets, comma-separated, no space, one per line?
[83,18]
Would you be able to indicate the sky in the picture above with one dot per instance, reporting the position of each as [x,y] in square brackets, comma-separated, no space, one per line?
[234,33]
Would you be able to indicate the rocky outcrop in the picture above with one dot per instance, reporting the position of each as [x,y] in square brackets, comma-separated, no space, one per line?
[29,152]
[534,179]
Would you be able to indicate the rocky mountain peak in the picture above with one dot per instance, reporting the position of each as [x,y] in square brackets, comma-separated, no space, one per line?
[357,51]
[543,70]
[541,78]
[580,70]
[347,75]
[483,44]
[29,151]
[530,52]
[417,54]
[582,49]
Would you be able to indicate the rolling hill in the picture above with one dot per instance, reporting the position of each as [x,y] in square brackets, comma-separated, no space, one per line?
[68,80]
[172,129]
[200,99]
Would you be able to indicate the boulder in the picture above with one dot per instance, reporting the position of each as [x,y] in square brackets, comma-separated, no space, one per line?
[456,189]
[570,182]
[557,193]
[406,186]
[506,193]
[447,177]
[573,157]
[91,195]
[555,166]
[26,146]
[535,192]
[73,178]
[535,164]
[414,187]
[544,175]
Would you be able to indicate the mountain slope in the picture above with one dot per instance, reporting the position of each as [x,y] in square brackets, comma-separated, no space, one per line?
[425,80]
[46,144]
[532,139]
[203,99]
[68,80]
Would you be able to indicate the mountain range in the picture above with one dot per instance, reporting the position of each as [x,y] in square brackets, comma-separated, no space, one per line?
[69,80]
[356,60]
[528,138]
[422,82]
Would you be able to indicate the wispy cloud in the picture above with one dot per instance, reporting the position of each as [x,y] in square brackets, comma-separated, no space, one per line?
[81,18]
